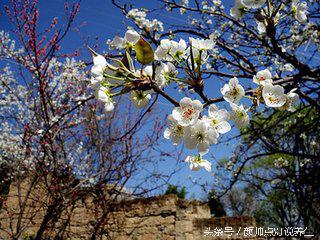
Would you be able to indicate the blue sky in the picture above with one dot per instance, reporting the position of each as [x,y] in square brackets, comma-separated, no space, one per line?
[99,19]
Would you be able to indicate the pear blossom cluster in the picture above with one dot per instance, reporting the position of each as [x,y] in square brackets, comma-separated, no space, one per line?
[274,95]
[298,9]
[8,46]
[17,119]
[13,151]
[177,51]
[107,75]
[139,17]
[131,38]
[187,123]
[21,132]
[102,92]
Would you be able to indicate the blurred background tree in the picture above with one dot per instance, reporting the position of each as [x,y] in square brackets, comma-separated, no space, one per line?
[172,189]
[277,170]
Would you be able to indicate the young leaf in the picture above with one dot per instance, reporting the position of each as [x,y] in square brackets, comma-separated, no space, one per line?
[144,51]
[127,61]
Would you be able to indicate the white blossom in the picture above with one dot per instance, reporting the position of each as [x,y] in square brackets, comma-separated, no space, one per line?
[202,44]
[261,27]
[164,73]
[288,67]
[216,2]
[185,4]
[118,42]
[147,71]
[131,37]
[140,98]
[99,60]
[273,95]
[139,17]
[136,13]
[239,115]
[291,99]
[188,112]
[238,10]
[99,64]
[197,162]
[300,10]
[263,77]
[163,49]
[200,135]
[178,48]
[218,119]
[174,131]
[169,50]
[233,91]
[95,81]
[103,95]
[253,3]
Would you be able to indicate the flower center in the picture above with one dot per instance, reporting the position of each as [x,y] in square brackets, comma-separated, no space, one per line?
[179,129]
[273,99]
[200,136]
[240,114]
[214,122]
[234,92]
[188,112]
[262,78]
[197,160]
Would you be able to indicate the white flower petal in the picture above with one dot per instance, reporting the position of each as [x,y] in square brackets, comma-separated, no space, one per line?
[194,167]
[190,143]
[206,165]
[185,102]
[119,42]
[253,3]
[167,133]
[132,36]
[177,113]
[109,106]
[99,60]
[197,105]
[203,147]
[223,127]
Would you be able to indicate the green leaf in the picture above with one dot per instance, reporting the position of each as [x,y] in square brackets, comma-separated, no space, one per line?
[144,51]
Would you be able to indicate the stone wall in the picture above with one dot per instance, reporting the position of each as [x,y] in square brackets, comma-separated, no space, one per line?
[162,217]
